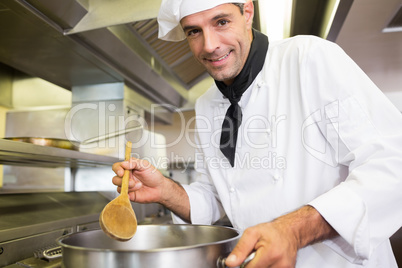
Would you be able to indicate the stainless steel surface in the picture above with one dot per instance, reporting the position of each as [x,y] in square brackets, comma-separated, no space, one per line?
[98,92]
[24,247]
[6,82]
[52,142]
[111,135]
[42,47]
[118,92]
[31,179]
[339,19]
[100,111]
[36,121]
[165,246]
[24,154]
[52,253]
[132,43]
[312,17]
[99,13]
[30,214]
[176,57]
[36,263]
[31,222]
[395,23]
[27,168]
[33,36]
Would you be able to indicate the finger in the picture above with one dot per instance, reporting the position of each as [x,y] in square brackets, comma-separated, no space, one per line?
[136,186]
[133,184]
[264,259]
[117,180]
[133,163]
[118,169]
[256,261]
[132,196]
[139,165]
[243,248]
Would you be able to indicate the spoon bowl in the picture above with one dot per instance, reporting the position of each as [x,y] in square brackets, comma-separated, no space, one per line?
[118,219]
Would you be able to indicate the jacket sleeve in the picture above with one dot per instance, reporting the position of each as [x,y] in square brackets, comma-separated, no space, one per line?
[204,205]
[366,135]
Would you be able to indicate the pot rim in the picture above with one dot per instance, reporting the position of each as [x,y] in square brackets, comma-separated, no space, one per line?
[177,248]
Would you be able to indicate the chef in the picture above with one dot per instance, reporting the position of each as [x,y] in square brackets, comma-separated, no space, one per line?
[295,145]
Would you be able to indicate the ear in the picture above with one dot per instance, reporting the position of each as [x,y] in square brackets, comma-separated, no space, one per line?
[249,13]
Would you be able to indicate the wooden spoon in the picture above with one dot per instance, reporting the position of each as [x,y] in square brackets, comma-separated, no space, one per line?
[118,219]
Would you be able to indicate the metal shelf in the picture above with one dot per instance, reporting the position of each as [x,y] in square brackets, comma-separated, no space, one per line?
[25,154]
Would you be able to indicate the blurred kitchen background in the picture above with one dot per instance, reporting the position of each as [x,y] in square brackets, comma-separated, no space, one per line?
[94,73]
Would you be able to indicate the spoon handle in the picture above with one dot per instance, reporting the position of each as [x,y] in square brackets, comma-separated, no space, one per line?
[126,176]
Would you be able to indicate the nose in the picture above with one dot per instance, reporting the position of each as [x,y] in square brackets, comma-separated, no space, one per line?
[211,41]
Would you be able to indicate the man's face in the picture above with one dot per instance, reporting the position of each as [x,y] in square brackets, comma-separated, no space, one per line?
[220,39]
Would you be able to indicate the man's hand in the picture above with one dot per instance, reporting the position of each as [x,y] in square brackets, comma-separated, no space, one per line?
[148,185]
[273,245]
[276,243]
[145,183]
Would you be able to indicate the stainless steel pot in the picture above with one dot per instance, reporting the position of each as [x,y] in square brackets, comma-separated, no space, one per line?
[153,246]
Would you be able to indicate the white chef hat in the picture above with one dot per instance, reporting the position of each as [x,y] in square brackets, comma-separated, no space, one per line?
[172,11]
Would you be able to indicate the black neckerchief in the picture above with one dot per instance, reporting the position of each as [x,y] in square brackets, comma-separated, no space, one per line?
[243,80]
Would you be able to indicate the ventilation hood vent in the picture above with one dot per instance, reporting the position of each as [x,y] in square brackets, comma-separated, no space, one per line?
[176,56]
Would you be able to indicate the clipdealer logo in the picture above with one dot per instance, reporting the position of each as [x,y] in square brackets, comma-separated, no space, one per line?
[257,132]
[106,128]
[245,161]
[320,134]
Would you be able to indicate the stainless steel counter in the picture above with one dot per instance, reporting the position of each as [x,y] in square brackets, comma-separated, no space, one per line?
[30,222]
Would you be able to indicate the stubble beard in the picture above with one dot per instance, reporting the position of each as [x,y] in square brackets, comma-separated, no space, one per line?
[224,75]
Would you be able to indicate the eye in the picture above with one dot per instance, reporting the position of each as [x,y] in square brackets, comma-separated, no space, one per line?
[222,22]
[192,32]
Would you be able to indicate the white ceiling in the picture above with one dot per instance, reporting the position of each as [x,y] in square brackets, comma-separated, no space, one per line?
[378,54]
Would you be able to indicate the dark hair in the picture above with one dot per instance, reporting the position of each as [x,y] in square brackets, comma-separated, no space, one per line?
[241,7]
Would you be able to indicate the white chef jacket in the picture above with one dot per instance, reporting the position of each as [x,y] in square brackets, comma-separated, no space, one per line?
[315,130]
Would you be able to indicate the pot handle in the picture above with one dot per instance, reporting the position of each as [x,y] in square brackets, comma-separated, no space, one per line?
[221,261]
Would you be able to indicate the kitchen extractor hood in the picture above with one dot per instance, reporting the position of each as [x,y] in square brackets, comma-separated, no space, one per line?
[33,41]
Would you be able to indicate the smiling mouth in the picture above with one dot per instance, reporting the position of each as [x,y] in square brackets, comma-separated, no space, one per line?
[221,58]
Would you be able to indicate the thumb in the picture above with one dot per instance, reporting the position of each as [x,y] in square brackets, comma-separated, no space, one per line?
[243,249]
